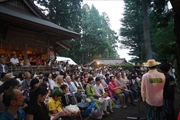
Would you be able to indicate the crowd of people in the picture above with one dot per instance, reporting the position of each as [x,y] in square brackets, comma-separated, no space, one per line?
[56,95]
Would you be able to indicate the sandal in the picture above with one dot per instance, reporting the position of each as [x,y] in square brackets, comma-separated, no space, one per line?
[125,106]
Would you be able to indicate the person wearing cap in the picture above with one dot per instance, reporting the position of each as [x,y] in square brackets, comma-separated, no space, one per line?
[152,90]
[6,77]
[54,105]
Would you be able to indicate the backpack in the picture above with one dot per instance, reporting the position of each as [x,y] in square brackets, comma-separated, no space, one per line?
[96,113]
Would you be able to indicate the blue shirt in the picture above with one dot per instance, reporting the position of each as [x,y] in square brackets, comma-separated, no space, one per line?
[71,89]
[7,116]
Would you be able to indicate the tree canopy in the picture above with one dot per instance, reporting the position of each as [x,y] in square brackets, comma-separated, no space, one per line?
[161,29]
[98,40]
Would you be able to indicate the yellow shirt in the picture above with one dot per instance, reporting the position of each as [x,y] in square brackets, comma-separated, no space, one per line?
[54,105]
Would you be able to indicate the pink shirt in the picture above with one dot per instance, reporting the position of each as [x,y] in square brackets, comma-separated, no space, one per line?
[152,87]
[112,86]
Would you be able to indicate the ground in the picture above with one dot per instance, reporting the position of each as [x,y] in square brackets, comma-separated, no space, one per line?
[132,111]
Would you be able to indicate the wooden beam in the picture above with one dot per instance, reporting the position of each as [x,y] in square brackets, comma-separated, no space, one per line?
[25,53]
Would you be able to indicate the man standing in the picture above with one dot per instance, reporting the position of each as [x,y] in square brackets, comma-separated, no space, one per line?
[152,90]
[168,95]
[13,100]
[136,68]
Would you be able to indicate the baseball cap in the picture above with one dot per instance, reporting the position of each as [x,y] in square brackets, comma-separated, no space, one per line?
[57,92]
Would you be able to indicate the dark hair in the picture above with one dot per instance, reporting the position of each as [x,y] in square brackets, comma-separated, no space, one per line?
[54,76]
[63,87]
[8,96]
[85,74]
[33,82]
[153,67]
[106,75]
[20,75]
[76,78]
[40,72]
[71,75]
[47,74]
[41,90]
[90,79]
[111,77]
[10,82]
[165,67]
[98,79]
[45,79]
[117,73]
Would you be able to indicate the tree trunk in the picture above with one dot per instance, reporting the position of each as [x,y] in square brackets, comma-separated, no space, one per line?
[176,8]
[146,31]
[177,34]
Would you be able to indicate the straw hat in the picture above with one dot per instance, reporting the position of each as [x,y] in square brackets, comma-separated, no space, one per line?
[9,75]
[151,63]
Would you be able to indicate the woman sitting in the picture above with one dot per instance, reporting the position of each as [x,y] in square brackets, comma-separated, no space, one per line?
[120,96]
[36,109]
[34,84]
[91,93]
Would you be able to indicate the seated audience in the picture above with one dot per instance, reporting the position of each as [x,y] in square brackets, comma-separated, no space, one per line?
[90,91]
[3,68]
[101,92]
[14,61]
[10,83]
[34,84]
[13,100]
[20,77]
[36,109]
[55,106]
[119,96]
[122,85]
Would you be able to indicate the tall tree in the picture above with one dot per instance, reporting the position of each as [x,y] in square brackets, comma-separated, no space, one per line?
[146,30]
[97,41]
[159,16]
[65,13]
[132,30]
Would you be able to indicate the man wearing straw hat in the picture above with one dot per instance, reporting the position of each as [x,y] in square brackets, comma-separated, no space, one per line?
[152,90]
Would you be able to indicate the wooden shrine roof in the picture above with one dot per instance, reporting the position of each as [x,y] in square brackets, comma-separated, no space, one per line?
[17,16]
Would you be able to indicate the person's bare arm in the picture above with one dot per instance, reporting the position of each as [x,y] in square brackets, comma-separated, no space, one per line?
[29,117]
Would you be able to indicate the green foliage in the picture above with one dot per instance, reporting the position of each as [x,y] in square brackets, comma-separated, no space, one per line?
[97,41]
[65,13]
[164,42]
[125,66]
[132,30]
[161,29]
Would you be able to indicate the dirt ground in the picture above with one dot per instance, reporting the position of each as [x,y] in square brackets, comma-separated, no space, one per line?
[132,111]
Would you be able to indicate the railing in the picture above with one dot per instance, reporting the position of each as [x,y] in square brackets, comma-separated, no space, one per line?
[33,69]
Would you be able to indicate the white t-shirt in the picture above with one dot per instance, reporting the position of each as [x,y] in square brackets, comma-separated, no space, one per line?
[14,60]
[51,84]
[3,66]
